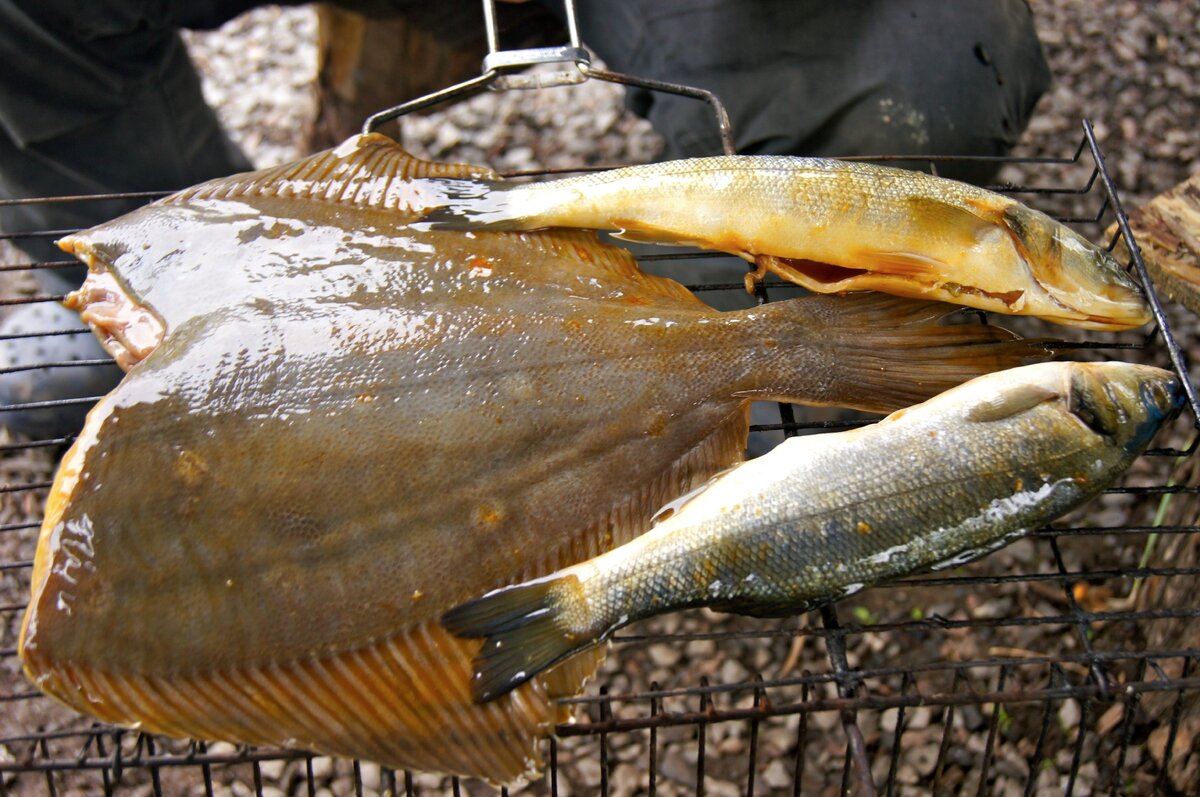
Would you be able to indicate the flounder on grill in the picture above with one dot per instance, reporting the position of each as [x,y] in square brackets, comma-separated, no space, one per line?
[334,428]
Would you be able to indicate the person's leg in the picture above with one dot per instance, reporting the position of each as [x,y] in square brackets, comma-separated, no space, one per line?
[95,97]
[809,77]
[98,98]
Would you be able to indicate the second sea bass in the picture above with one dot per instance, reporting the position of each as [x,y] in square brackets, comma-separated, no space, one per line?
[822,517]
[831,226]
[334,428]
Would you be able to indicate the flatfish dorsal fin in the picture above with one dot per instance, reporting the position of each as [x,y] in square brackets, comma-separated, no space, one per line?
[373,172]
[368,171]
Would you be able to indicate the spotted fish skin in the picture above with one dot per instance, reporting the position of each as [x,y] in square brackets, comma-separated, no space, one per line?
[822,517]
[831,226]
[347,426]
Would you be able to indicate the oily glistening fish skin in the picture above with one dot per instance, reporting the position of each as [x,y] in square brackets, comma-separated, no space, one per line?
[831,226]
[822,517]
[335,428]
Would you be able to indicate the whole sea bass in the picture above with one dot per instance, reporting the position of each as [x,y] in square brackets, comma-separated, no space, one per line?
[824,516]
[831,226]
[334,428]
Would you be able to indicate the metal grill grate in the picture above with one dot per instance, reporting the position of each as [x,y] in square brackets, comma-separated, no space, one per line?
[909,702]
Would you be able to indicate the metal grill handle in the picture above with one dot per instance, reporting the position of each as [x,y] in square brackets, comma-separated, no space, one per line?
[501,72]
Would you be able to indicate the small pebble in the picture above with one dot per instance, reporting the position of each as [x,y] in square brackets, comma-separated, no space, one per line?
[272,770]
[322,768]
[923,758]
[777,775]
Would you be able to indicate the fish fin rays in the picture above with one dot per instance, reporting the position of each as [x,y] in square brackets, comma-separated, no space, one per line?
[587,256]
[1011,402]
[722,449]
[932,357]
[404,702]
[365,171]
[900,264]
[895,352]
[567,678]
[522,631]
[640,232]
[969,221]
[374,172]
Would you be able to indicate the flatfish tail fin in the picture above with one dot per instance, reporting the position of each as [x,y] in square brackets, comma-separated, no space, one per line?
[893,352]
[367,171]
[915,359]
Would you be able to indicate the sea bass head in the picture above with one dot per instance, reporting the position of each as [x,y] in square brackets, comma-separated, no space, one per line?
[1123,402]
[1086,281]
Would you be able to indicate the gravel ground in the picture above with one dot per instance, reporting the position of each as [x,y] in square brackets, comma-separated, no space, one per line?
[1126,66]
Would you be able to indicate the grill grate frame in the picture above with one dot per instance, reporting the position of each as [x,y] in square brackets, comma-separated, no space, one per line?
[102,758]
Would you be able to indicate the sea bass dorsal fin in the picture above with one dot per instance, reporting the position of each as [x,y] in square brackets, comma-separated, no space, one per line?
[1011,402]
[366,171]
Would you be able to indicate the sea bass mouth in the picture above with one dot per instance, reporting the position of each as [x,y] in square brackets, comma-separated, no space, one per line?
[127,330]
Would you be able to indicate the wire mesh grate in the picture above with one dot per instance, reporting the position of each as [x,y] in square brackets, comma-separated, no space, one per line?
[1041,671]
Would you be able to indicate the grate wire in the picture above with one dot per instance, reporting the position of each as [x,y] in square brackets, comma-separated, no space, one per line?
[998,685]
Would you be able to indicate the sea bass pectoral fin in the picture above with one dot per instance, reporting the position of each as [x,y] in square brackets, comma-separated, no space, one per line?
[974,216]
[912,265]
[1010,403]
[523,634]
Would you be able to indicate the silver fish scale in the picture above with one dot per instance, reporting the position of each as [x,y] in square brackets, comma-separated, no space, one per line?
[916,505]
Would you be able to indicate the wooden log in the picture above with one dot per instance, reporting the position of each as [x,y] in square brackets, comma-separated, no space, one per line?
[1180,633]
[366,64]
[1167,230]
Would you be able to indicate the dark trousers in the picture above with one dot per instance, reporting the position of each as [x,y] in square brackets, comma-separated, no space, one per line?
[814,77]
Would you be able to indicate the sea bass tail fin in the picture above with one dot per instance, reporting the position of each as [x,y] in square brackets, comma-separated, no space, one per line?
[892,352]
[523,635]
[469,204]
